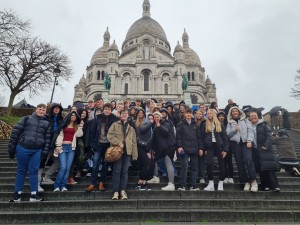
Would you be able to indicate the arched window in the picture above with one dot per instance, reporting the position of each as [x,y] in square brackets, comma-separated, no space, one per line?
[98,75]
[193,76]
[194,99]
[166,89]
[146,74]
[102,75]
[189,76]
[126,89]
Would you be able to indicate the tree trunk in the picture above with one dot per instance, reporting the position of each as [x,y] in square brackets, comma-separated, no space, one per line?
[10,104]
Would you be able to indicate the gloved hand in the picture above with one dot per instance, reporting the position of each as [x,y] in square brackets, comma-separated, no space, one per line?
[11,154]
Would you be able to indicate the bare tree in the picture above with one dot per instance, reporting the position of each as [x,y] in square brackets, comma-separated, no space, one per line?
[295,91]
[27,64]
[11,28]
[2,100]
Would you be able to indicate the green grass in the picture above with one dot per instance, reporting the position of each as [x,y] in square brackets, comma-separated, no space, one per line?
[11,120]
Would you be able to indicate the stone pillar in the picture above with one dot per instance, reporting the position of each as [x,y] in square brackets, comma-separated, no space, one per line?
[105,95]
[187,97]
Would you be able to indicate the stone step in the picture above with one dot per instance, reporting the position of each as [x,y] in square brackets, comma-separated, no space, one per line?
[131,186]
[154,215]
[141,204]
[155,194]
[133,179]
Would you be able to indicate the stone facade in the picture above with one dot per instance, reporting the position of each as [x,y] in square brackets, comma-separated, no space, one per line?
[145,68]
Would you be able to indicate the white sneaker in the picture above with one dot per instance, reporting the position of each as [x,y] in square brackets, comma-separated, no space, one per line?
[220,186]
[56,190]
[181,188]
[247,187]
[154,180]
[210,186]
[226,180]
[40,189]
[64,189]
[115,196]
[202,181]
[169,187]
[46,180]
[254,187]
[124,195]
[230,181]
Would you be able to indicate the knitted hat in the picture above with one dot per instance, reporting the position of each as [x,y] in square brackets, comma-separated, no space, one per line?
[157,113]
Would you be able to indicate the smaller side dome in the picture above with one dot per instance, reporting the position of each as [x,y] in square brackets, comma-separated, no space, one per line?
[82,79]
[113,47]
[82,82]
[208,81]
[178,48]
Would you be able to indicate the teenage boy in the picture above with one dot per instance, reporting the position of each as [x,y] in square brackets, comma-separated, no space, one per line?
[189,147]
[30,139]
[99,143]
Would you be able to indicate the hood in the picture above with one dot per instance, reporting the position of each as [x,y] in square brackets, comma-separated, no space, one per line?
[242,114]
[52,107]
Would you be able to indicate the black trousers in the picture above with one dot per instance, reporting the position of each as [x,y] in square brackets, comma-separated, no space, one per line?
[209,159]
[147,165]
[268,178]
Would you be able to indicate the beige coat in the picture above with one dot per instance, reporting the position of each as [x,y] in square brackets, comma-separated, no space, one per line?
[115,137]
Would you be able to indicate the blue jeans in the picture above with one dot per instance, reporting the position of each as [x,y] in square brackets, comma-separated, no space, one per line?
[120,173]
[28,161]
[65,160]
[99,158]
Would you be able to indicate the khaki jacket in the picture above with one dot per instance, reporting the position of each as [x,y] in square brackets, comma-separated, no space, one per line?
[115,137]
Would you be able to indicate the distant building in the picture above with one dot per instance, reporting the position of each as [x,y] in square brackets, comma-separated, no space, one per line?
[23,104]
[146,67]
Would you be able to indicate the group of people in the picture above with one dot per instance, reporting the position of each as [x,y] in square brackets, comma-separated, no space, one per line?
[152,133]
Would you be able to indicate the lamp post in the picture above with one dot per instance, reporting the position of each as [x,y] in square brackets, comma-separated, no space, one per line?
[56,73]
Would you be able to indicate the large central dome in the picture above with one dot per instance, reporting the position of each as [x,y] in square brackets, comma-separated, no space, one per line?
[146,25]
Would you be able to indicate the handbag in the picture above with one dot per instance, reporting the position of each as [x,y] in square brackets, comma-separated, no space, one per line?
[142,143]
[113,153]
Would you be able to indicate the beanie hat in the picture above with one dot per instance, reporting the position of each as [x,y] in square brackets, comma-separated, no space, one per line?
[157,113]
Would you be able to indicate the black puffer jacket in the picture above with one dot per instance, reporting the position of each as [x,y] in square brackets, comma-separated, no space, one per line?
[31,132]
[188,137]
[163,140]
[264,139]
[221,139]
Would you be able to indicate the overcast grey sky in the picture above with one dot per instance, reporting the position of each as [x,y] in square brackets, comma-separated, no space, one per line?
[250,48]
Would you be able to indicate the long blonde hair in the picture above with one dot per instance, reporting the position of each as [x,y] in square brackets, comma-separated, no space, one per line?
[215,121]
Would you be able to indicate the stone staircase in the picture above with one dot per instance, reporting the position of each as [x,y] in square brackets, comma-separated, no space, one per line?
[150,207]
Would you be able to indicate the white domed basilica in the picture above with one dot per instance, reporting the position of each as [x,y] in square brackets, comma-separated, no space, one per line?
[145,68]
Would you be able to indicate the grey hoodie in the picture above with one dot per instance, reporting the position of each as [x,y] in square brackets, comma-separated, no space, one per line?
[245,133]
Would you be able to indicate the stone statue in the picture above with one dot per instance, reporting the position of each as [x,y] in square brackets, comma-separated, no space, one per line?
[185,82]
[107,81]
[146,51]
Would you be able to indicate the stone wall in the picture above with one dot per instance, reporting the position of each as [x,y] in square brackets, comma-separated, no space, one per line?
[17,112]
[294,119]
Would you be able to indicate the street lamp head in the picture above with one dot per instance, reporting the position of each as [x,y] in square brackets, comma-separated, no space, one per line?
[57,70]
